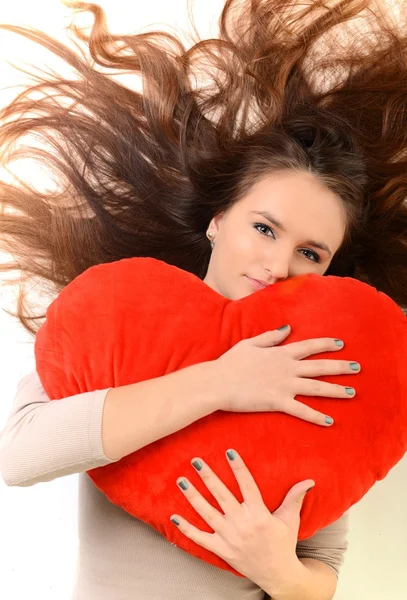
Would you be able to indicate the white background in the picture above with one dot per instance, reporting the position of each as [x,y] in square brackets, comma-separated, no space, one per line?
[38,524]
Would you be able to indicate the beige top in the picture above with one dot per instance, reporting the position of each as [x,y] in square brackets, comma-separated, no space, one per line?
[120,557]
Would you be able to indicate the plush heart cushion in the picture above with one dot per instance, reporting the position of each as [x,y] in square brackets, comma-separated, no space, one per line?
[137,319]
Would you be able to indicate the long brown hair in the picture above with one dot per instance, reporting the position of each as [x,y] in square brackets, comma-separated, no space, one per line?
[142,172]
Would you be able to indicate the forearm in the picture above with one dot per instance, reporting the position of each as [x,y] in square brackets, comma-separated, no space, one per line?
[44,440]
[310,580]
[139,414]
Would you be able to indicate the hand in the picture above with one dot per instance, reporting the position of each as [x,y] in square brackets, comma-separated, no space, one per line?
[256,375]
[258,544]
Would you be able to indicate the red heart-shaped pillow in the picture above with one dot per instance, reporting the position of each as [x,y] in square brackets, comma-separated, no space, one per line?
[137,319]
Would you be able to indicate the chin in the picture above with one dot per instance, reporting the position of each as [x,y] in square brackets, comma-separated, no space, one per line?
[229,292]
[240,291]
[239,295]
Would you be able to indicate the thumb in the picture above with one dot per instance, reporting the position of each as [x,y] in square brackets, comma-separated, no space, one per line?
[292,503]
[272,338]
[301,495]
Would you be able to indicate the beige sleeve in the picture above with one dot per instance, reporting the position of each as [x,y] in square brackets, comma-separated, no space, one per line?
[328,545]
[43,440]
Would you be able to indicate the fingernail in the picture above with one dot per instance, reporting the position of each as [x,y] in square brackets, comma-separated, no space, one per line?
[329,420]
[339,343]
[197,464]
[354,366]
[350,391]
[309,489]
[183,484]
[175,521]
[231,454]
[283,328]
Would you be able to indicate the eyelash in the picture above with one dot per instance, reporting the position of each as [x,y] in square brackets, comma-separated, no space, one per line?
[316,258]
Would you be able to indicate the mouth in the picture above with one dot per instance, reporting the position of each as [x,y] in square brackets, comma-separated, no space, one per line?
[257,284]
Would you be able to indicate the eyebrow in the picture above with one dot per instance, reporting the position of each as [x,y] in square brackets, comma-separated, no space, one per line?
[277,223]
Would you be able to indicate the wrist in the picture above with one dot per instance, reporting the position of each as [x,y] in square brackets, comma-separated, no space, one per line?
[210,384]
[308,579]
[288,586]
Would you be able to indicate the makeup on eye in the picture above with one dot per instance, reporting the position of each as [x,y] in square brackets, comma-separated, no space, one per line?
[267,227]
[266,215]
[312,256]
[315,257]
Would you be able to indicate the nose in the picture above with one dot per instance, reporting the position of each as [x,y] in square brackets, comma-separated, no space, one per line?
[277,267]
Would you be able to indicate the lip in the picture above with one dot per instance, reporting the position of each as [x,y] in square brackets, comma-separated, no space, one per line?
[257,284]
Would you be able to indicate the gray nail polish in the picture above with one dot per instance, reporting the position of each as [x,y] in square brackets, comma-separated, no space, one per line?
[175,521]
[350,391]
[329,420]
[354,366]
[339,343]
[183,484]
[197,464]
[283,328]
[231,454]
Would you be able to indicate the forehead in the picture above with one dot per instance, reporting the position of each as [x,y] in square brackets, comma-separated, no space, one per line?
[303,205]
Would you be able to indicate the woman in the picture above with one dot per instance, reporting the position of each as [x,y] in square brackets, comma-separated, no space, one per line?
[283,178]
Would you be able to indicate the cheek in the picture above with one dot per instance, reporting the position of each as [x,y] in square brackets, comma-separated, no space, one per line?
[236,249]
[302,266]
[244,245]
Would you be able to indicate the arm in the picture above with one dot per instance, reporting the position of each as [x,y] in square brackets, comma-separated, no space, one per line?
[312,580]
[164,405]
[43,440]
[319,560]
[328,545]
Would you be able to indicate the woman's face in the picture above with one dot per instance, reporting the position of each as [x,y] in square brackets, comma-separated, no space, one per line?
[287,224]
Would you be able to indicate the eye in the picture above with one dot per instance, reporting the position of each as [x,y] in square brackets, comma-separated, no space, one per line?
[310,255]
[264,230]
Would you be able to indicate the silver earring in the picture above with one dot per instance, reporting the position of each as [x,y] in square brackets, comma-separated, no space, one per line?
[212,243]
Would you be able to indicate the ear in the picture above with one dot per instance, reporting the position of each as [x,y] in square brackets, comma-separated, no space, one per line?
[215,223]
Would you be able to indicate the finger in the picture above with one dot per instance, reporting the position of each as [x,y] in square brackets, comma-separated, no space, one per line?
[290,508]
[271,338]
[248,486]
[313,387]
[306,413]
[202,538]
[297,493]
[210,515]
[305,348]
[224,497]
[318,368]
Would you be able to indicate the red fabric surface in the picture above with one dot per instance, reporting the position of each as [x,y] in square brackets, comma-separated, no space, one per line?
[140,318]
